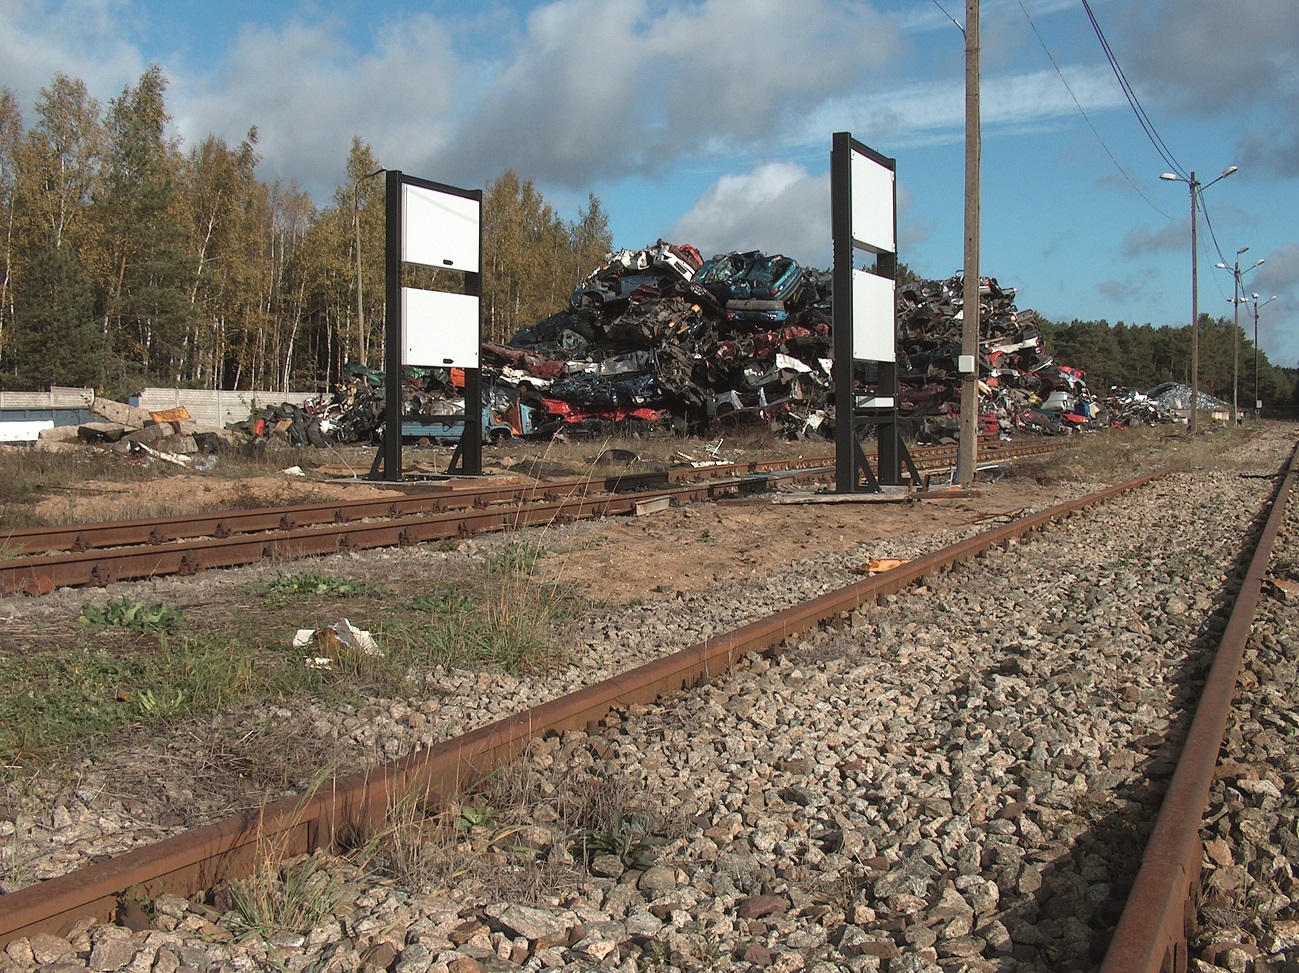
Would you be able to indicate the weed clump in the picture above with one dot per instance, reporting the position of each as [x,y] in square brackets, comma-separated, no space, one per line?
[134,616]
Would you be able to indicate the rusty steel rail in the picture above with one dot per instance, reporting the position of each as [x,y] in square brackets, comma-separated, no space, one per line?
[198,860]
[431,497]
[101,554]
[1159,917]
[186,557]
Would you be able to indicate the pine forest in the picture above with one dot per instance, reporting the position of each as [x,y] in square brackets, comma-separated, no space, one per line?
[128,259]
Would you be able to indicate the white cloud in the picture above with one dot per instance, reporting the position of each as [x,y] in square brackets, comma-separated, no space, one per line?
[599,90]
[933,112]
[80,38]
[308,91]
[1174,236]
[1226,55]
[778,207]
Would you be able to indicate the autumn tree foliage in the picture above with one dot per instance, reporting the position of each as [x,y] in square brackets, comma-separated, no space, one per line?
[128,259]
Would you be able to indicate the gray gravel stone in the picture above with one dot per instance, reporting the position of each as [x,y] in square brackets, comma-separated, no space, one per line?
[955,779]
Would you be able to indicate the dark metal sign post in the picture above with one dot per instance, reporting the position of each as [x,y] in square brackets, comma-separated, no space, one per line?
[429,224]
[863,216]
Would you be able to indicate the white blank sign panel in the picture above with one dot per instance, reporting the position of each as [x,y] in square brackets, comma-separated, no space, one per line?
[872,317]
[872,204]
[439,229]
[439,329]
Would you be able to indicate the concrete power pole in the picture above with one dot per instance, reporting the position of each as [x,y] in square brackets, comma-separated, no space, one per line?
[967,460]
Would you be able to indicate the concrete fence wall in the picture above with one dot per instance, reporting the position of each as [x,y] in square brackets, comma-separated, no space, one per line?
[56,397]
[219,408]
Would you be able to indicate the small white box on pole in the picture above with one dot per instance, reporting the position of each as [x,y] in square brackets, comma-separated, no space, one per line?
[965,364]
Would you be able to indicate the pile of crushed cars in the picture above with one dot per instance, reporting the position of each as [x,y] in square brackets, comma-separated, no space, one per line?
[661,340]
[1020,387]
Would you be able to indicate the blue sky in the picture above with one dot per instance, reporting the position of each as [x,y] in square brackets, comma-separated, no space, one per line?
[709,122]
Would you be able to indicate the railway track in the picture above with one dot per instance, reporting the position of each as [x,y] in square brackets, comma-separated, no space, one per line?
[1150,936]
[38,560]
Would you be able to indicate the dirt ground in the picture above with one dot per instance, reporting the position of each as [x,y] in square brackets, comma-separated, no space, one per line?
[662,555]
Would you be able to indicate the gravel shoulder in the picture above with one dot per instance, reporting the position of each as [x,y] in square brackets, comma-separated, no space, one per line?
[955,781]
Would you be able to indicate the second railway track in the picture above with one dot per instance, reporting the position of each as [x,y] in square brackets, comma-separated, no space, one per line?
[943,784]
[38,560]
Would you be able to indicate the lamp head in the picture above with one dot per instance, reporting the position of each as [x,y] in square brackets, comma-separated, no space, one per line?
[1222,266]
[1170,176]
[1228,171]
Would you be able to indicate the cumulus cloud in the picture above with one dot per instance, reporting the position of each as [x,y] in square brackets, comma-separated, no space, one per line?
[1174,236]
[308,90]
[1229,59]
[1123,289]
[80,38]
[1225,56]
[1281,270]
[777,207]
[599,90]
[933,112]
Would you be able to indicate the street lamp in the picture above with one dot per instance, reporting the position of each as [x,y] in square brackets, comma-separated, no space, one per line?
[1237,273]
[1194,185]
[1258,403]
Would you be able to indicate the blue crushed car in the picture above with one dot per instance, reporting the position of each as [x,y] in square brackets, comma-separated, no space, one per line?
[752,285]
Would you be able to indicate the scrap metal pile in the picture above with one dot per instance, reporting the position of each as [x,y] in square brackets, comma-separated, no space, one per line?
[1020,387]
[1156,407]
[661,340]
[660,337]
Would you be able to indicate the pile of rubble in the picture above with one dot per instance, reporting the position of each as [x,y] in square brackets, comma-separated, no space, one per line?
[1130,407]
[1020,387]
[172,436]
[660,340]
[660,337]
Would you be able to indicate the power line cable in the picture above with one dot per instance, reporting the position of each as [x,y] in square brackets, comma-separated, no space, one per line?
[1142,118]
[1117,165]
[949,16]
[1212,236]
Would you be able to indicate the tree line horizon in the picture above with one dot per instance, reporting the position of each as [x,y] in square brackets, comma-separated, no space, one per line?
[128,259]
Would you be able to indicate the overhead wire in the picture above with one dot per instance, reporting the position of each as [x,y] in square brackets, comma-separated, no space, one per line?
[1142,118]
[1082,111]
[949,16]
[1218,249]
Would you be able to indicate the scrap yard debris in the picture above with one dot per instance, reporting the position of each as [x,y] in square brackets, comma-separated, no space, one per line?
[660,340]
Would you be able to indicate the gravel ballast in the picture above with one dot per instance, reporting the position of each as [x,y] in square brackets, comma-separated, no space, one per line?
[962,777]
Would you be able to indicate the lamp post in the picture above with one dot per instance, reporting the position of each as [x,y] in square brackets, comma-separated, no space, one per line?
[1195,187]
[1235,332]
[1258,405]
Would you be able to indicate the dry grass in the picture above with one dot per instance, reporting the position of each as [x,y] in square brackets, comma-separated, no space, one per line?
[1112,455]
[518,835]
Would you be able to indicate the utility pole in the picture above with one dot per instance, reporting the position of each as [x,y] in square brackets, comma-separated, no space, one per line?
[1237,299]
[1195,315]
[967,460]
[1194,186]
[1258,405]
[1235,340]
